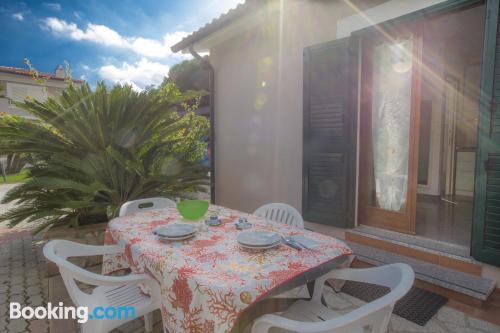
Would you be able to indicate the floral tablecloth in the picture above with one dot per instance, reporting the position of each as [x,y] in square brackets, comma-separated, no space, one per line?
[207,281]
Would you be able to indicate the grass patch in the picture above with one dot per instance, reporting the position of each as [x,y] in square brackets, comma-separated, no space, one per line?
[15,178]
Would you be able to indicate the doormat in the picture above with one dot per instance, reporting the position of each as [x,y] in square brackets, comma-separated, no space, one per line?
[418,306]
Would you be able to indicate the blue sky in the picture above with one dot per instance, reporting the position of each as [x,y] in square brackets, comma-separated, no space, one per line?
[110,40]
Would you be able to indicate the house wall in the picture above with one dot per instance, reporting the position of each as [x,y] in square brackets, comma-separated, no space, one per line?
[54,88]
[259,113]
[258,99]
[259,102]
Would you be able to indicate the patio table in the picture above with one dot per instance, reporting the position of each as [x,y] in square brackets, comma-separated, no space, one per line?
[208,281]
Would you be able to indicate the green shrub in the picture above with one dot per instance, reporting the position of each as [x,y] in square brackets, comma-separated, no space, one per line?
[94,150]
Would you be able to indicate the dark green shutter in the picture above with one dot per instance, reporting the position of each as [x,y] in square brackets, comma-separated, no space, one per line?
[329,142]
[486,229]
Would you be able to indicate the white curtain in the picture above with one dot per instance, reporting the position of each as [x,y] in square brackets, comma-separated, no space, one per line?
[391,108]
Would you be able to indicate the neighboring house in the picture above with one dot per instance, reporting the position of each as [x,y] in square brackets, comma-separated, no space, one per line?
[377,115]
[16,84]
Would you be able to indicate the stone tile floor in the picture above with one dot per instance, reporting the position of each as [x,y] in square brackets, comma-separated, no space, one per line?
[23,279]
[447,320]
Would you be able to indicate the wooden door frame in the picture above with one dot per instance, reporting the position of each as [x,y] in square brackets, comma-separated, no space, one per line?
[397,221]
[448,171]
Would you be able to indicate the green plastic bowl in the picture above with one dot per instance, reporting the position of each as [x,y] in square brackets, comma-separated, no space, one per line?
[192,209]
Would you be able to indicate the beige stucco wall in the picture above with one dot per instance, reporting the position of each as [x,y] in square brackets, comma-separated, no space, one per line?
[54,88]
[245,118]
[259,126]
[259,102]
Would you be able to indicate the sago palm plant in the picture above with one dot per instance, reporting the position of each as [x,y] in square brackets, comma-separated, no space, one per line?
[94,150]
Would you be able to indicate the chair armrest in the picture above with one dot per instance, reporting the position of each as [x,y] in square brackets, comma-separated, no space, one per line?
[266,322]
[91,278]
[359,316]
[84,250]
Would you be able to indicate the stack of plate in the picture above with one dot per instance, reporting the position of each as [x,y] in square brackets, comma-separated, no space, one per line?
[176,231]
[258,239]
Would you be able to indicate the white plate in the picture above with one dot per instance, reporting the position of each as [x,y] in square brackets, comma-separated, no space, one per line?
[174,239]
[176,230]
[258,238]
[260,247]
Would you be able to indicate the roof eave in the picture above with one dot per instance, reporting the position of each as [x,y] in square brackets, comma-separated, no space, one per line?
[216,25]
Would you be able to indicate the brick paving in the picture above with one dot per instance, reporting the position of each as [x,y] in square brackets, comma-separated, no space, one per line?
[22,274]
[22,278]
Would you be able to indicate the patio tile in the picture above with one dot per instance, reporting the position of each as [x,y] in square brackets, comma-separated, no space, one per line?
[33,290]
[399,324]
[451,316]
[33,281]
[16,298]
[3,320]
[38,326]
[16,289]
[16,279]
[17,325]
[34,301]
[483,325]
[4,278]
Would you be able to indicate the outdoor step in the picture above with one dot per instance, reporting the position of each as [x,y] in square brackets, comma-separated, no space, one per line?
[435,252]
[474,287]
[415,241]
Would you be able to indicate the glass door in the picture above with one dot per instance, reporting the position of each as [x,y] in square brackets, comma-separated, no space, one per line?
[389,122]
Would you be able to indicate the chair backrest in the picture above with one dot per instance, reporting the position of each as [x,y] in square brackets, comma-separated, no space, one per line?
[374,315]
[280,212]
[58,251]
[141,205]
[398,277]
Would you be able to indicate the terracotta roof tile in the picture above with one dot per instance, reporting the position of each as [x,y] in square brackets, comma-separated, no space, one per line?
[22,71]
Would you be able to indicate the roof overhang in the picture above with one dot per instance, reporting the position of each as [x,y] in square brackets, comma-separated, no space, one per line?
[222,28]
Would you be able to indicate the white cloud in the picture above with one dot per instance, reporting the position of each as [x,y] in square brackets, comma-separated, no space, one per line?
[99,34]
[53,5]
[18,16]
[106,36]
[139,75]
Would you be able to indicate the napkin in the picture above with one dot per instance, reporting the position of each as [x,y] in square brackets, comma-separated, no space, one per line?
[310,243]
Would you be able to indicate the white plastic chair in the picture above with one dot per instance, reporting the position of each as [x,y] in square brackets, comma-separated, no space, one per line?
[280,212]
[312,317]
[142,205]
[115,291]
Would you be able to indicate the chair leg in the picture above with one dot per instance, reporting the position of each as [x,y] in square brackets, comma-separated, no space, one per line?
[148,322]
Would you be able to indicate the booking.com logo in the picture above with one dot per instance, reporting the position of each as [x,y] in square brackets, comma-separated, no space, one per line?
[81,313]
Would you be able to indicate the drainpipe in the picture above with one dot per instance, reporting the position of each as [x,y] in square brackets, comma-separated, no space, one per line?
[211,98]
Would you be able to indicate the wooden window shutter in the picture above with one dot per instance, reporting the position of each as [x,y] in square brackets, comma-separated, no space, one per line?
[329,132]
[486,226]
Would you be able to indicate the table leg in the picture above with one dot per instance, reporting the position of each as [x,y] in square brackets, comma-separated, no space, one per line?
[310,288]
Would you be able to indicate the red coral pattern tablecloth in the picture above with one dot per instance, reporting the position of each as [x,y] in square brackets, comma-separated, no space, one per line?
[208,280]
